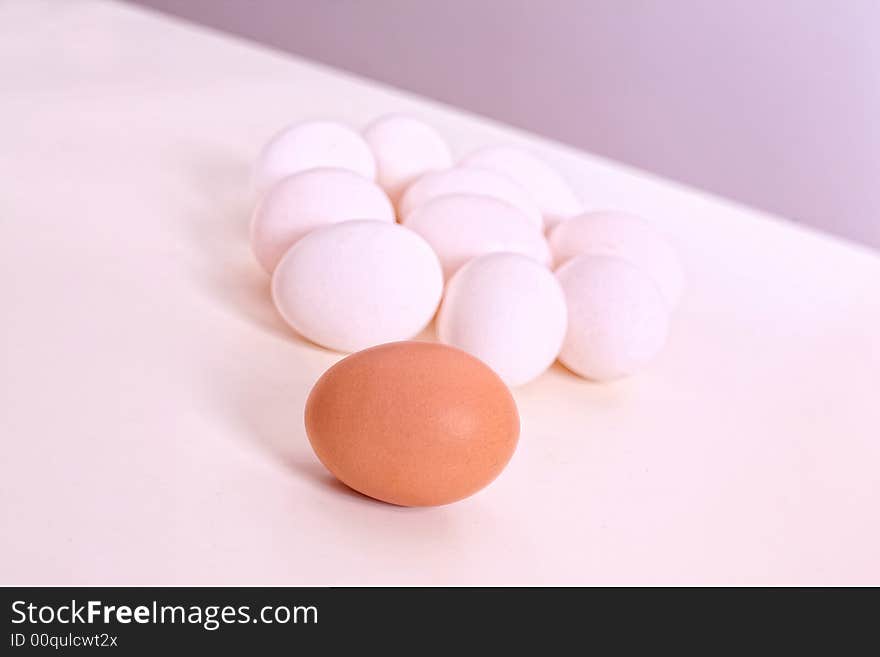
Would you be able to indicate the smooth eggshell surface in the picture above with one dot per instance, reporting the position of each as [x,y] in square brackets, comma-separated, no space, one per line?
[357,284]
[507,310]
[405,148]
[309,145]
[551,192]
[469,180]
[617,317]
[412,423]
[624,236]
[304,201]
[460,227]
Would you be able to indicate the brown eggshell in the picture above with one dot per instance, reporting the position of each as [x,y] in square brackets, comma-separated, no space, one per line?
[412,423]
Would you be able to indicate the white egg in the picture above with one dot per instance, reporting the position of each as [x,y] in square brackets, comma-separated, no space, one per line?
[461,227]
[617,318]
[551,192]
[624,236]
[468,180]
[507,310]
[405,148]
[304,201]
[357,284]
[309,145]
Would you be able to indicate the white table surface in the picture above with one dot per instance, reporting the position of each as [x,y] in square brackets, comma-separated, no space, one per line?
[151,400]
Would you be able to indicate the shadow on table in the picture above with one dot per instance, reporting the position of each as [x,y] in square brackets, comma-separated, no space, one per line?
[219,234]
[260,388]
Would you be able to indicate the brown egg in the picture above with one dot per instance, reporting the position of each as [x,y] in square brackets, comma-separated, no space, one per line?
[412,423]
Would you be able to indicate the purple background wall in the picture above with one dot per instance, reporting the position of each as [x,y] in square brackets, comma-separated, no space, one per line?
[775,104]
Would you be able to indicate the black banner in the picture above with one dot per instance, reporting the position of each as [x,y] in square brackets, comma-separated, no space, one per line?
[410,620]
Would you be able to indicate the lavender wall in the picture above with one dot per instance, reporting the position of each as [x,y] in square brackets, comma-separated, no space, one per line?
[776,104]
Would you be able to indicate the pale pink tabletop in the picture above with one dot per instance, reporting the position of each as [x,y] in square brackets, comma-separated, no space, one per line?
[151,400]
